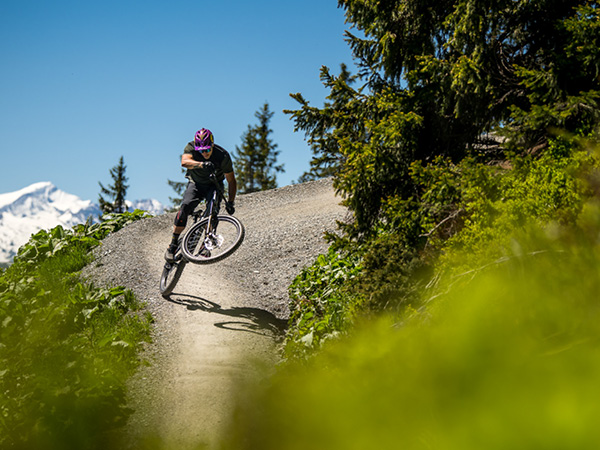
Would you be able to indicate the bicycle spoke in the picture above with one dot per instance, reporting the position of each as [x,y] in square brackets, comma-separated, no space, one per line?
[196,245]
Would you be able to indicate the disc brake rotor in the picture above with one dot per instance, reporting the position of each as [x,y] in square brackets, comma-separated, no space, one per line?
[213,241]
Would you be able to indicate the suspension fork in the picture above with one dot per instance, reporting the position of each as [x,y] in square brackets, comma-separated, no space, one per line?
[210,212]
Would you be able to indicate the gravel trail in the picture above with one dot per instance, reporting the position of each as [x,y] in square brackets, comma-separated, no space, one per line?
[224,320]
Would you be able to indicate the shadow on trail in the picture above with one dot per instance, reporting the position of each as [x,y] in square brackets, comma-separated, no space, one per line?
[260,320]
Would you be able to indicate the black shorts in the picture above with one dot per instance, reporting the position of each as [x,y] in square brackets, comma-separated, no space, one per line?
[192,196]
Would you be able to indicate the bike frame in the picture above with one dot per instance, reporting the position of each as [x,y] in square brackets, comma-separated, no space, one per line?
[210,212]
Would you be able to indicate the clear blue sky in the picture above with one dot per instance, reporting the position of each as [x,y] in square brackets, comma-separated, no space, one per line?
[84,82]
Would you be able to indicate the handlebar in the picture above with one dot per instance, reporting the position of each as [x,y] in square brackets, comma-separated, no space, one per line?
[213,178]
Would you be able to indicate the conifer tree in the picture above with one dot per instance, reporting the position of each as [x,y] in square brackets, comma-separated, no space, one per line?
[112,198]
[255,162]
[438,79]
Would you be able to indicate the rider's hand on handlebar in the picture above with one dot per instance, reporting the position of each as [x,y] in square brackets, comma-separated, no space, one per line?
[230,207]
[208,166]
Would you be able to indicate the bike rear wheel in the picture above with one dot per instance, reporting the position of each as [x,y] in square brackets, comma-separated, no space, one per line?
[171,273]
[204,247]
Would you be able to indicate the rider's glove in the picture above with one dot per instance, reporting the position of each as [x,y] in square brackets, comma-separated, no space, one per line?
[208,166]
[230,207]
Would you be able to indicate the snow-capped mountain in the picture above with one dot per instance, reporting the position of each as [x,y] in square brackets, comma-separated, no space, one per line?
[154,207]
[44,206]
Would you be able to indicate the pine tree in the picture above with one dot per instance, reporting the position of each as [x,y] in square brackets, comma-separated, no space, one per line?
[115,193]
[255,162]
[435,77]
[327,159]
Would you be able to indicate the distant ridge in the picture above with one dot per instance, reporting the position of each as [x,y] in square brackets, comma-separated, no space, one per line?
[43,206]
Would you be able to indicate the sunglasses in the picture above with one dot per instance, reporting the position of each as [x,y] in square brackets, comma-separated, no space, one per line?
[207,150]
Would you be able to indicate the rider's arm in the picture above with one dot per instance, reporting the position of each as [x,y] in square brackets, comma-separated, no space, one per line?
[232,185]
[188,161]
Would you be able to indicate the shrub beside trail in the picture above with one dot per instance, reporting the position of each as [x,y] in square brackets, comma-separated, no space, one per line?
[67,347]
[499,350]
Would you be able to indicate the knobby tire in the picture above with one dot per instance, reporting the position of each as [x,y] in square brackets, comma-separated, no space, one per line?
[172,272]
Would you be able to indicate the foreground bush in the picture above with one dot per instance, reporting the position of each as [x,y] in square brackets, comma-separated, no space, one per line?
[66,347]
[470,208]
[506,356]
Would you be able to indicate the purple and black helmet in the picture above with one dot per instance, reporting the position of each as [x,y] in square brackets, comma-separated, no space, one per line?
[203,140]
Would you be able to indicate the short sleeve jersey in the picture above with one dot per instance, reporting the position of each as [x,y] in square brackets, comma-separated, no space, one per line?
[219,157]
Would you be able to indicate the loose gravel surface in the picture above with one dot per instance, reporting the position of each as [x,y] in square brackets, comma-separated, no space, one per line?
[223,320]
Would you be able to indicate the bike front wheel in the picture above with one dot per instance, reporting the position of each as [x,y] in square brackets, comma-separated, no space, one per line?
[202,246]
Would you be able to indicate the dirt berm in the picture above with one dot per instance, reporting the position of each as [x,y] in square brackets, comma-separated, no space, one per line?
[223,320]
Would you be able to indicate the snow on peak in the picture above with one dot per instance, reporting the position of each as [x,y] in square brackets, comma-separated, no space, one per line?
[42,197]
[10,197]
[43,206]
[149,204]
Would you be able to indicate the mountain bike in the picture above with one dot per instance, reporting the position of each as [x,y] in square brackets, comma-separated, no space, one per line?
[210,238]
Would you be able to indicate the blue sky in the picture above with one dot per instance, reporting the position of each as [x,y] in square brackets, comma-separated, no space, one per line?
[84,82]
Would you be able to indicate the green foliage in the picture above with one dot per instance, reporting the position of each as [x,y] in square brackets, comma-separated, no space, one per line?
[66,347]
[318,124]
[46,244]
[548,190]
[501,356]
[321,304]
[476,234]
[468,208]
[509,360]
[112,199]
[437,77]
[255,162]
[561,87]
[367,142]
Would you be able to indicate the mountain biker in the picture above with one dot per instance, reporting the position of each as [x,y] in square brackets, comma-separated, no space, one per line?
[201,157]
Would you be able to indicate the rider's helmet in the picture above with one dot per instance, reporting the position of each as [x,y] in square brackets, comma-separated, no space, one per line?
[203,140]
